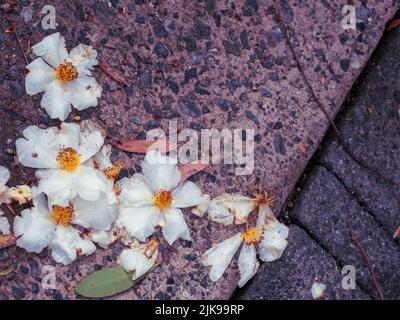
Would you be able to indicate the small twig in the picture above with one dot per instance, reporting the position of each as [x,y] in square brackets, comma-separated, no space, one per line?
[369,264]
[14,31]
[112,73]
[342,141]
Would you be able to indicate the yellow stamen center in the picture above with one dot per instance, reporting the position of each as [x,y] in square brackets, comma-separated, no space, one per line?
[66,72]
[163,199]
[252,235]
[62,216]
[69,159]
[113,172]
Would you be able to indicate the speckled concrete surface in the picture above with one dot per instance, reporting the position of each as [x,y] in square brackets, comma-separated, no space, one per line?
[206,64]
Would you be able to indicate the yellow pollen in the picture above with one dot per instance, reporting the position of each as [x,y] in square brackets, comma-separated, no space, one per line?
[163,199]
[113,172]
[69,159]
[62,216]
[66,72]
[252,235]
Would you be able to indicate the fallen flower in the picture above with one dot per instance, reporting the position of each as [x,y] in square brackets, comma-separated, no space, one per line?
[318,290]
[62,154]
[155,197]
[64,78]
[21,194]
[139,259]
[4,177]
[229,209]
[50,225]
[269,235]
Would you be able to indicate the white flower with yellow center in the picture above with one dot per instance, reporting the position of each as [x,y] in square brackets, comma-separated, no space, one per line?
[62,154]
[21,194]
[50,225]
[4,177]
[155,197]
[270,237]
[139,259]
[64,78]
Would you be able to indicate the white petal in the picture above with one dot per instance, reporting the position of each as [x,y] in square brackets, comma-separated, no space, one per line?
[230,209]
[135,260]
[91,139]
[56,101]
[161,172]
[248,263]
[84,92]
[4,175]
[318,290]
[220,256]
[134,192]
[68,136]
[39,77]
[57,184]
[52,49]
[202,207]
[97,215]
[187,195]
[35,230]
[90,183]
[175,226]
[37,148]
[264,214]
[102,238]
[5,228]
[83,57]
[273,241]
[102,157]
[139,222]
[67,244]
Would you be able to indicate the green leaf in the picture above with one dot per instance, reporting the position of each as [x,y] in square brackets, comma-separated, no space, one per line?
[104,283]
[108,282]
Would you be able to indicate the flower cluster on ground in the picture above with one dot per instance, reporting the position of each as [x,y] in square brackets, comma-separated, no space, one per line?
[78,202]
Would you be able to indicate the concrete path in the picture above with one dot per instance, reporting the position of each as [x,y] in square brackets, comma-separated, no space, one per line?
[206,64]
[335,191]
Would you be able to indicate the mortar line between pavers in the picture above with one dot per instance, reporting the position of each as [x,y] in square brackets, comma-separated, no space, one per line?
[355,196]
[327,252]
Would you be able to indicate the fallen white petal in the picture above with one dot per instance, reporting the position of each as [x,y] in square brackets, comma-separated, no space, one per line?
[318,290]
[52,49]
[175,226]
[67,244]
[248,263]
[39,77]
[161,172]
[34,229]
[220,256]
[273,242]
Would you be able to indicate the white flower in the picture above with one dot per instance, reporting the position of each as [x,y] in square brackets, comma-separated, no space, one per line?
[139,259]
[4,177]
[318,290]
[4,225]
[61,153]
[270,236]
[155,197]
[21,194]
[42,226]
[65,78]
[231,209]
